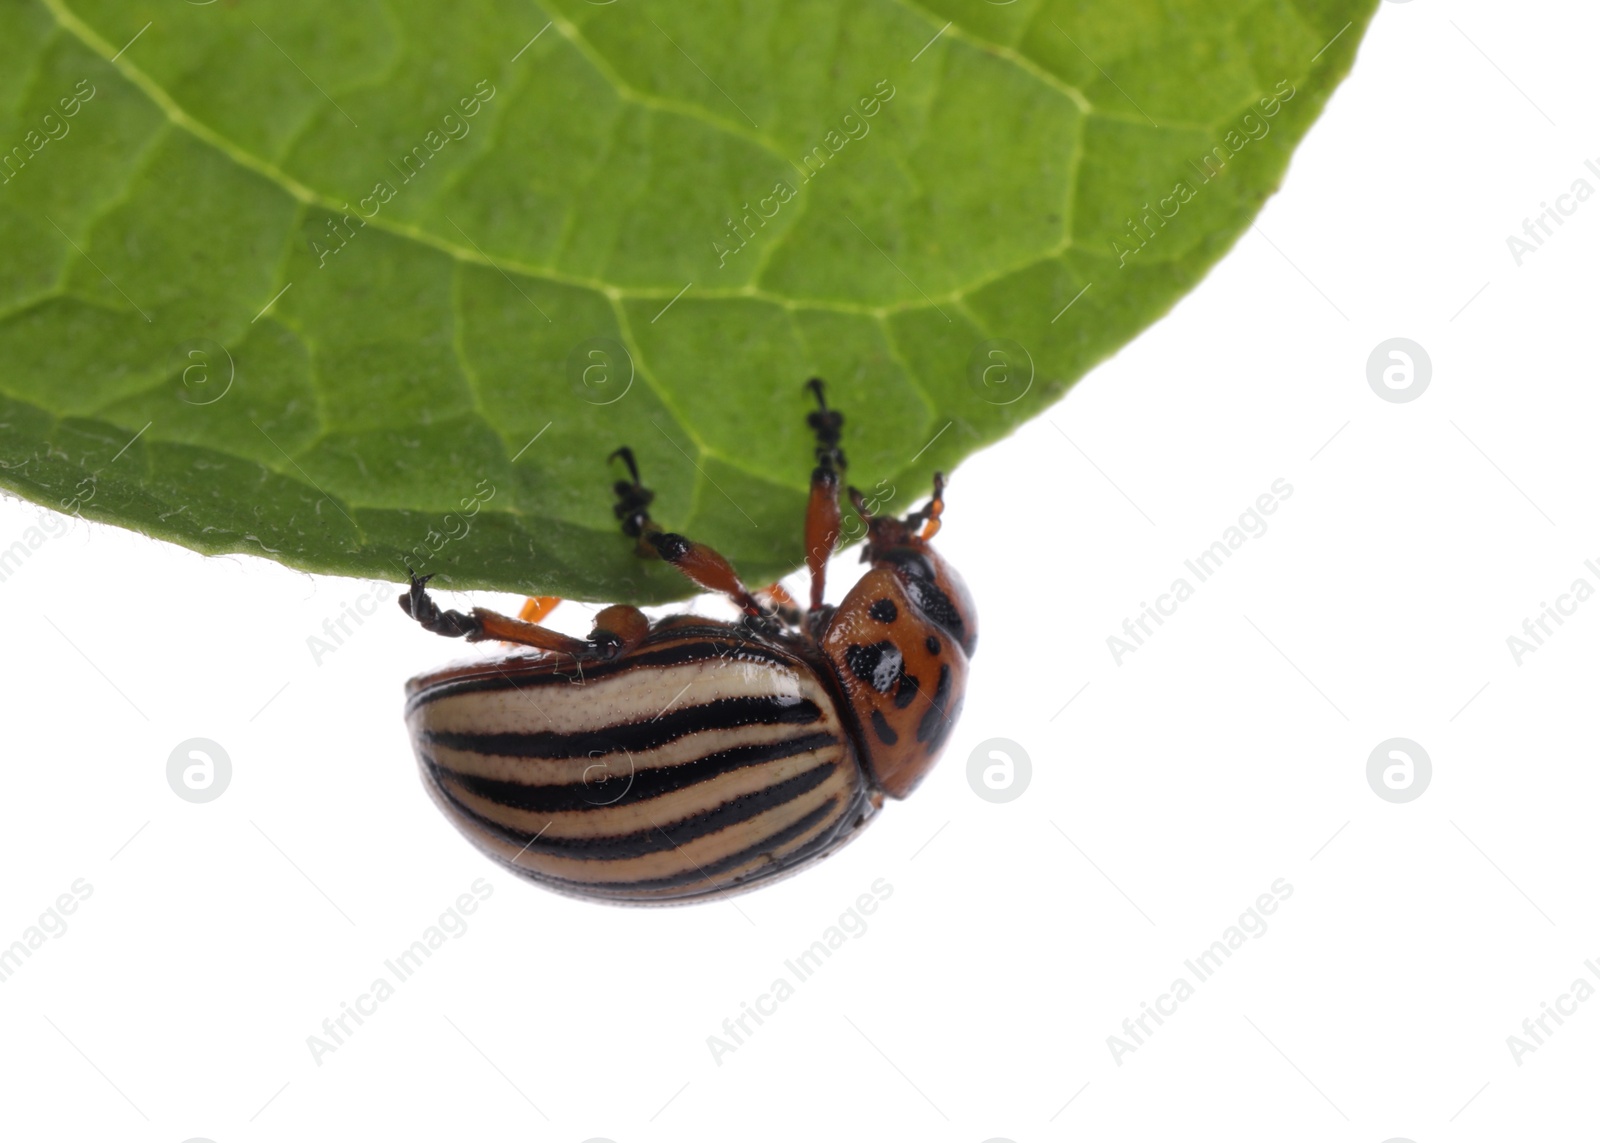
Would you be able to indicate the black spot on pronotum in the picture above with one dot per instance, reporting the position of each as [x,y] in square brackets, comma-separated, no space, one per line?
[932,645]
[884,611]
[909,686]
[885,732]
[878,665]
[937,716]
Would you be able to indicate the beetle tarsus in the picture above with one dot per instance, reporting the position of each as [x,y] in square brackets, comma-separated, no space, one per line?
[701,564]
[633,499]
[827,424]
[418,604]
[822,509]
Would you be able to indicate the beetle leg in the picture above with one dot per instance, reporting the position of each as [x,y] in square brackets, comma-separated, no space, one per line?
[822,510]
[776,599]
[618,629]
[703,565]
[605,642]
[536,607]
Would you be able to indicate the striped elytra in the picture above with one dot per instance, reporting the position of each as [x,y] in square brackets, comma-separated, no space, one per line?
[681,759]
[707,759]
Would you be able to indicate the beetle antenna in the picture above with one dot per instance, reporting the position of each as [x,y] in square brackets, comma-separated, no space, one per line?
[928,517]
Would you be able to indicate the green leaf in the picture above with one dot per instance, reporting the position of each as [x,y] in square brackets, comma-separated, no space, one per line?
[384,286]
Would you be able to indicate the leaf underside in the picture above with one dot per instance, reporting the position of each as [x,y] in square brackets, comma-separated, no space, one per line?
[384,289]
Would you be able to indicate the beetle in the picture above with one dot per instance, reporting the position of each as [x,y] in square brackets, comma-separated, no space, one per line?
[688,758]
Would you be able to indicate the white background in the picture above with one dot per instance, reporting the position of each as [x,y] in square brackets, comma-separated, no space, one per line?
[1227,752]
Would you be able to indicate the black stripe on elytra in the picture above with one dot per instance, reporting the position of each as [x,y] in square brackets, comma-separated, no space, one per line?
[936,713]
[622,889]
[734,650]
[560,671]
[710,629]
[628,789]
[620,847]
[635,737]
[825,840]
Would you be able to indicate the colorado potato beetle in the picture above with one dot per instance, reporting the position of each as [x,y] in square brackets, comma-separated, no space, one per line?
[689,758]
